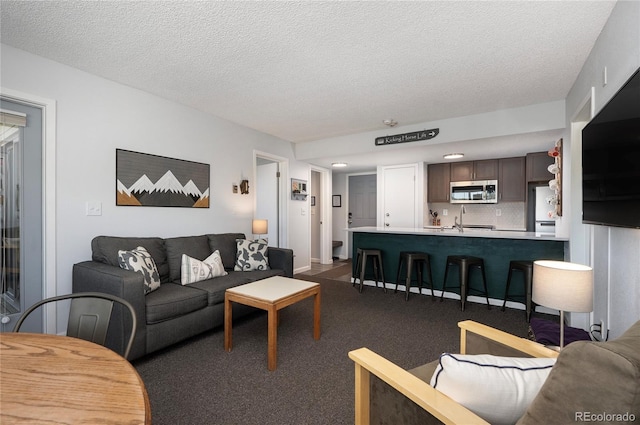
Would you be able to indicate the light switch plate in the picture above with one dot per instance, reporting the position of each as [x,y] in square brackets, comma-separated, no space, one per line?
[94,208]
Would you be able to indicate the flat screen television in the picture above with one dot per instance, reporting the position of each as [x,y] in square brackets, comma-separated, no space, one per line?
[611,160]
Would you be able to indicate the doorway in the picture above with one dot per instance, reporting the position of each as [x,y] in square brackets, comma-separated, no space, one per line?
[21,212]
[362,204]
[270,202]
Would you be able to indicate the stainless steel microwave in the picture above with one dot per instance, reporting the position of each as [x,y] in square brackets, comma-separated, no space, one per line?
[474,192]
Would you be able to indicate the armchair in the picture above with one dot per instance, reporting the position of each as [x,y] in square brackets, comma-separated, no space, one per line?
[587,377]
[374,374]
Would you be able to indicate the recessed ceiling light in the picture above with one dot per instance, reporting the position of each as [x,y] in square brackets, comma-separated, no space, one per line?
[453,155]
[338,164]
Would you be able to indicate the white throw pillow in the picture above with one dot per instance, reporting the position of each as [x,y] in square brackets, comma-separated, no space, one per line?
[251,255]
[498,389]
[193,270]
[139,260]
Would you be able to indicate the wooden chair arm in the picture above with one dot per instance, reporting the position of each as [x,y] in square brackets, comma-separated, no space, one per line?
[526,346]
[437,404]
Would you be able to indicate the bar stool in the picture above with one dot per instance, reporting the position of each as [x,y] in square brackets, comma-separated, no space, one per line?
[465,263]
[420,260]
[526,267]
[361,266]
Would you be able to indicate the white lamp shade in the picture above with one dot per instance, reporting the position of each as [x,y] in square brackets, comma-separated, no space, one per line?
[260,226]
[563,286]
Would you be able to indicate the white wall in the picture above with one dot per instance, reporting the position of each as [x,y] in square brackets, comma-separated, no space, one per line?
[299,236]
[614,252]
[339,214]
[94,117]
[316,215]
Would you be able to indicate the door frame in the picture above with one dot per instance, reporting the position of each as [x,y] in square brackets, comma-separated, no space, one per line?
[326,215]
[48,107]
[283,202]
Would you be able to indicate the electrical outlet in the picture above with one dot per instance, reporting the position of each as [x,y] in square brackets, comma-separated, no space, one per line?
[498,213]
[445,212]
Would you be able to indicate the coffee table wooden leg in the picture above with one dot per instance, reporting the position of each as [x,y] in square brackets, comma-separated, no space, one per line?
[316,316]
[228,338]
[272,353]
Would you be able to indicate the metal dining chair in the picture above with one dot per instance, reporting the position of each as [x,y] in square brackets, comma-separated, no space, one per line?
[89,316]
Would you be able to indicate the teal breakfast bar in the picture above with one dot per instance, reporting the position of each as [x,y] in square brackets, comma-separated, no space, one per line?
[496,247]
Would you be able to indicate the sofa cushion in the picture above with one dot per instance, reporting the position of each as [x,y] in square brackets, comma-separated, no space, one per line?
[173,300]
[195,270]
[139,260]
[498,389]
[226,244]
[194,246]
[252,255]
[215,288]
[591,378]
[105,250]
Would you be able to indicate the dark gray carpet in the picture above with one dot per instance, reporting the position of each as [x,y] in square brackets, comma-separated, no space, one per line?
[197,382]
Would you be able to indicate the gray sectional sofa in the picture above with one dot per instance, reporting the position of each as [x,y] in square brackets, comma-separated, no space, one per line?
[173,312]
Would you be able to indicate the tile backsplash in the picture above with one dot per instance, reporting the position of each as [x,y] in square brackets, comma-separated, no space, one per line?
[512,214]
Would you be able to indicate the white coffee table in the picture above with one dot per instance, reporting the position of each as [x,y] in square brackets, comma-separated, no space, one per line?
[271,294]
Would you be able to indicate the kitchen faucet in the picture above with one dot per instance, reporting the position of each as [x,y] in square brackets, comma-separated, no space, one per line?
[457,225]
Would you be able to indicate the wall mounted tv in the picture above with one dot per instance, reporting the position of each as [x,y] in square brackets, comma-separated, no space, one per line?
[611,160]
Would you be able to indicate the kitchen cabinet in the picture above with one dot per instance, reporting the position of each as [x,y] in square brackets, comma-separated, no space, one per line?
[438,176]
[474,170]
[537,164]
[511,179]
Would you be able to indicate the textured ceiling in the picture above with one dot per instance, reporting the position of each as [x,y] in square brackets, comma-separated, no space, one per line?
[304,71]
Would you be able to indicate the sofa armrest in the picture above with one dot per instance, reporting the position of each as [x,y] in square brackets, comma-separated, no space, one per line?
[420,392]
[281,258]
[92,276]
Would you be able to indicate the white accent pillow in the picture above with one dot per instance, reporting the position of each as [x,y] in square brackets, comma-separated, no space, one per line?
[251,255]
[498,389]
[139,260]
[193,270]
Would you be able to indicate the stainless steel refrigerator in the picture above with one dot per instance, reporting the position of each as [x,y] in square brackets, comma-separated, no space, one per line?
[543,223]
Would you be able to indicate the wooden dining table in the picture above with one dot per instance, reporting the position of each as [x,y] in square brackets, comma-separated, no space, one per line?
[58,379]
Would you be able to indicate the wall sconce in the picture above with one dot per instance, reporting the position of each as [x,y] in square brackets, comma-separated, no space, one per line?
[244,187]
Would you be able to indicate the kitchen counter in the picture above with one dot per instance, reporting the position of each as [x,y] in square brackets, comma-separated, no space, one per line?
[496,247]
[468,233]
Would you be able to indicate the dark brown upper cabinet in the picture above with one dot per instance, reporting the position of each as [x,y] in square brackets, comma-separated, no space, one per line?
[438,182]
[511,180]
[474,170]
[537,167]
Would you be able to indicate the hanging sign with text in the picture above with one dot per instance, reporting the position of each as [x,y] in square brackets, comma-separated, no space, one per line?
[416,136]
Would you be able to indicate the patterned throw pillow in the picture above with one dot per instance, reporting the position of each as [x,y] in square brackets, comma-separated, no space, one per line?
[193,270]
[251,255]
[139,260]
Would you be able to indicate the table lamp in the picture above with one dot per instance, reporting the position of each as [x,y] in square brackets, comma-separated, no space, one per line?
[260,226]
[563,286]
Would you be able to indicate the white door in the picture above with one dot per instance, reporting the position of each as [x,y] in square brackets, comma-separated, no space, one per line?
[399,196]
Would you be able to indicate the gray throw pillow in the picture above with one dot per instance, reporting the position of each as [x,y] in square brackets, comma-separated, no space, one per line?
[140,261]
[251,255]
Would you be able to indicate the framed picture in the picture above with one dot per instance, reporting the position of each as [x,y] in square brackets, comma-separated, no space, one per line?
[313,201]
[145,180]
[336,201]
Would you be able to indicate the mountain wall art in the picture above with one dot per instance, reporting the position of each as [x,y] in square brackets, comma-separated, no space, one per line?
[156,181]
